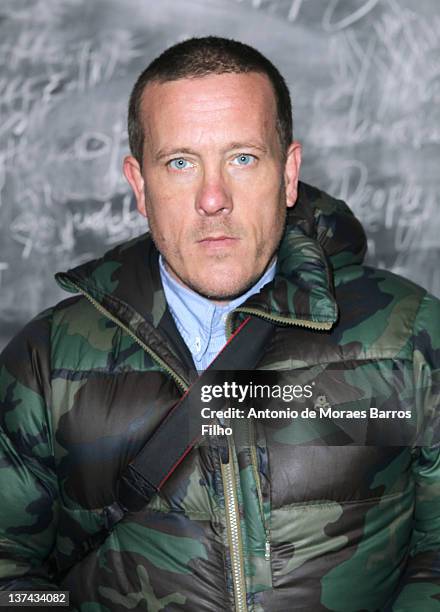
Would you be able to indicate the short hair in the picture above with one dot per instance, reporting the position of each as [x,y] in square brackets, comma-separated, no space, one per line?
[199,57]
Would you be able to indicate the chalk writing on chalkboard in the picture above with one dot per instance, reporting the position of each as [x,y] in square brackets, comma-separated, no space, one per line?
[336,14]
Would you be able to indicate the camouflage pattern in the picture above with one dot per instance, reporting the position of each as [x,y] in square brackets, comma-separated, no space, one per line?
[321,527]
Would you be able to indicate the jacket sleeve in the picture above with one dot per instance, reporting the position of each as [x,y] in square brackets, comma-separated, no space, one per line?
[420,586]
[28,484]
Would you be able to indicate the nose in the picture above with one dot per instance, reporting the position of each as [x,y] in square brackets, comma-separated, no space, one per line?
[213,197]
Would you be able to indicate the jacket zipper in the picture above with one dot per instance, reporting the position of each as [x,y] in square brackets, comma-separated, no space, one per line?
[318,325]
[234,532]
[233,522]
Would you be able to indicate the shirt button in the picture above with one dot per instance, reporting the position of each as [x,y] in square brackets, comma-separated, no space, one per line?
[224,317]
[198,344]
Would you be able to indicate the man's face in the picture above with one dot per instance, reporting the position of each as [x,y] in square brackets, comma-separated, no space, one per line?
[214,184]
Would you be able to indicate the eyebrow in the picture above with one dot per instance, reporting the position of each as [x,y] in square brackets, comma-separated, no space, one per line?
[161,153]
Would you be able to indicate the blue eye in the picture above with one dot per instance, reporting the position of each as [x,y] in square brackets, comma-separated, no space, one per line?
[179,164]
[244,159]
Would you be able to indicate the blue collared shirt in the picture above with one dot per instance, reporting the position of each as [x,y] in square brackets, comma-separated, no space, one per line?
[201,323]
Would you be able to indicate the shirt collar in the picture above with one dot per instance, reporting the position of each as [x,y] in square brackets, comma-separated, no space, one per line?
[197,315]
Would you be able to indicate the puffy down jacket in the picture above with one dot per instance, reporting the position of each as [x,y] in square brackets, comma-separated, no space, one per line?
[285,524]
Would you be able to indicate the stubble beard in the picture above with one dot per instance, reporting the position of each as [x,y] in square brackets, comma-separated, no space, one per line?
[201,232]
[224,297]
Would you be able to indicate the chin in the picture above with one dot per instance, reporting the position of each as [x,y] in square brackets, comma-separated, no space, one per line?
[223,292]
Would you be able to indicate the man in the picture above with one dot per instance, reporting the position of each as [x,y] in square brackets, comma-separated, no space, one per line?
[275,524]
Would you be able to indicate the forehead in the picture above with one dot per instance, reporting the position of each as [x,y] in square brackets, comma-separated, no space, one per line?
[216,102]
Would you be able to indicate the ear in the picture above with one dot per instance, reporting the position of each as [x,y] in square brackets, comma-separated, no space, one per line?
[133,174]
[291,173]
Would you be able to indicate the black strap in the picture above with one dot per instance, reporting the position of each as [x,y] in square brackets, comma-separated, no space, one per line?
[181,429]
[169,444]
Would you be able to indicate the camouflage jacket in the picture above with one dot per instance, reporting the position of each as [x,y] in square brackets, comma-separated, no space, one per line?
[284,524]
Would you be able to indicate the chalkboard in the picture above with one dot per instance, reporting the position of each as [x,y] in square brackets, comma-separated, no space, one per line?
[365,81]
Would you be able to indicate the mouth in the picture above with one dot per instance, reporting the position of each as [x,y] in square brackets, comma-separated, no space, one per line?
[217,242]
